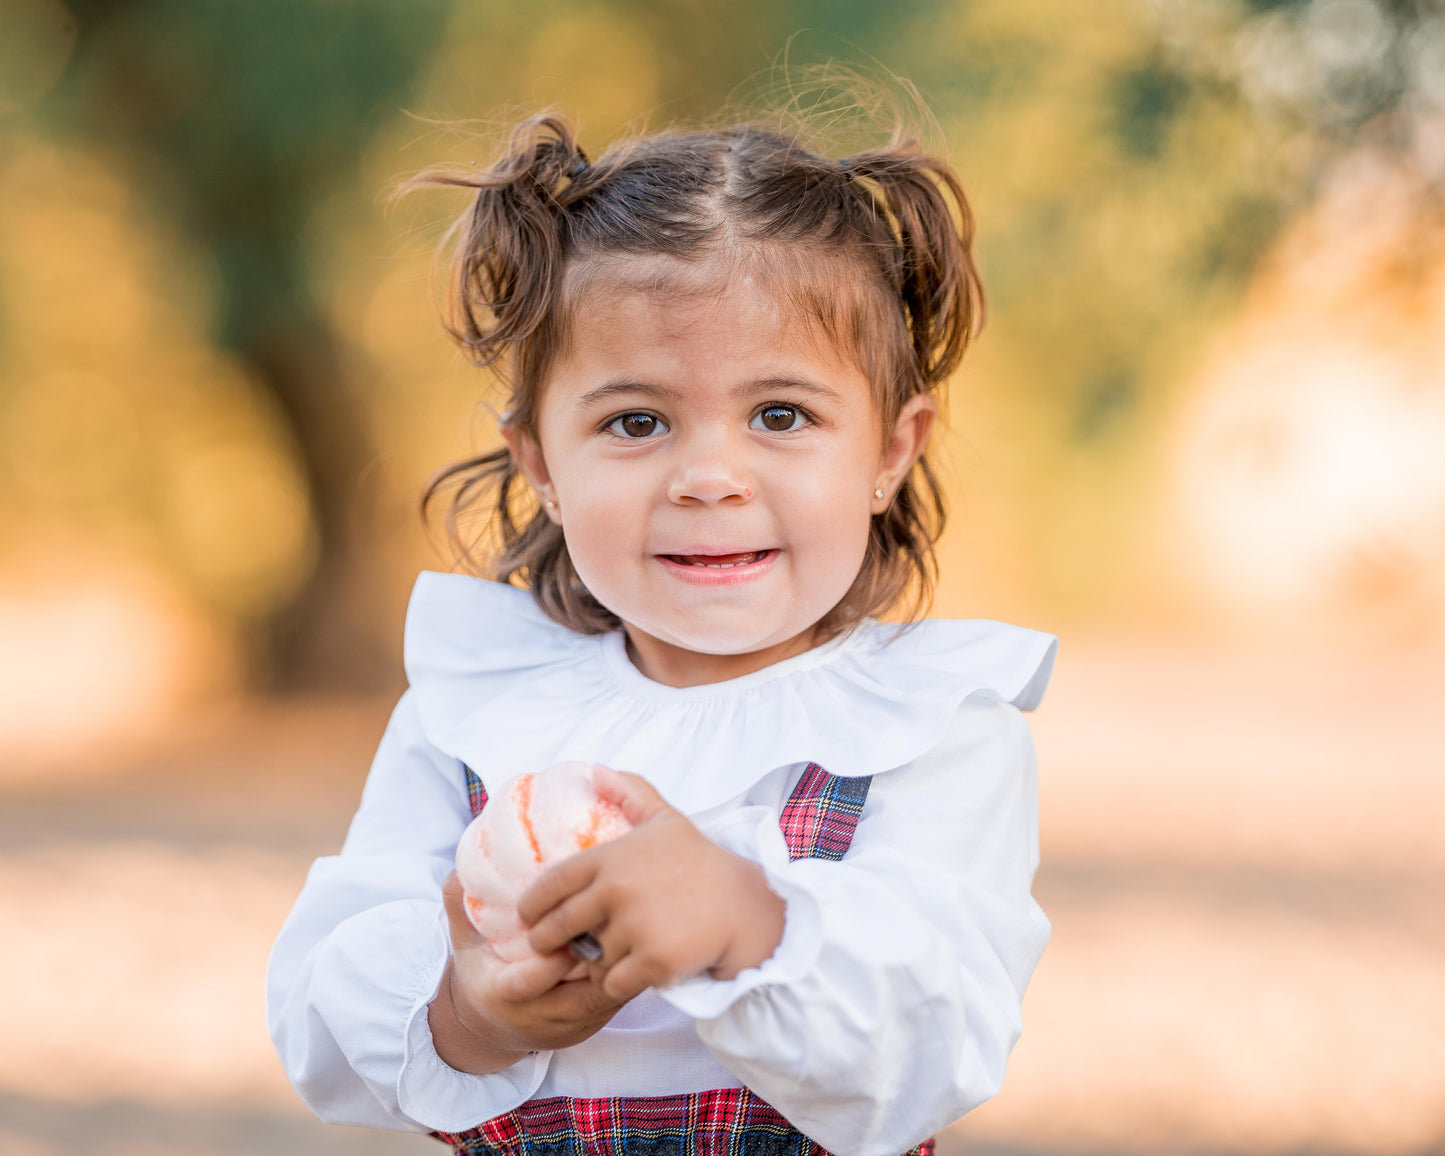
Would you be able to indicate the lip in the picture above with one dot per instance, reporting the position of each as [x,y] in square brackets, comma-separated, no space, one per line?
[718,575]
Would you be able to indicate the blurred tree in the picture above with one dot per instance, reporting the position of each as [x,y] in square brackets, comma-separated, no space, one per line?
[240,119]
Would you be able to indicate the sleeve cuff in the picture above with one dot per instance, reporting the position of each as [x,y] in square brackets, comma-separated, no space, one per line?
[435,1094]
[704,998]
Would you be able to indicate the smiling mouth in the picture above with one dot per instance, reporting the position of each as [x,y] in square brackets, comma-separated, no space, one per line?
[718,561]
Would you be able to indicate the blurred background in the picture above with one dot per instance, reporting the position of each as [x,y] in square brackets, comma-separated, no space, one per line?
[1202,439]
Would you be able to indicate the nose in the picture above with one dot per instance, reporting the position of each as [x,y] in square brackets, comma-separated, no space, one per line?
[710,472]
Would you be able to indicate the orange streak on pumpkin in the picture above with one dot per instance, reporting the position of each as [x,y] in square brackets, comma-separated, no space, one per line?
[587,837]
[524,809]
[600,809]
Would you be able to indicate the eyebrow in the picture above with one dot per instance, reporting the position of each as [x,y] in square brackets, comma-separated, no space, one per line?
[668,393]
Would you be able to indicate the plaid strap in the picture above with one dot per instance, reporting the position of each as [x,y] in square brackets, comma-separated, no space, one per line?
[822,813]
[476,793]
[818,821]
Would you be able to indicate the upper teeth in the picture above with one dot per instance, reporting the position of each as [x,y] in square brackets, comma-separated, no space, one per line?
[753,557]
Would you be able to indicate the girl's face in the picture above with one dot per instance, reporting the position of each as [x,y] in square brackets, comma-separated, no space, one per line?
[714,470]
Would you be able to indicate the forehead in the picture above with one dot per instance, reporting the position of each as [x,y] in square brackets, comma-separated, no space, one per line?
[717,309]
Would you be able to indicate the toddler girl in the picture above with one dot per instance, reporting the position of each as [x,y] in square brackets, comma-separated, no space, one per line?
[723,354]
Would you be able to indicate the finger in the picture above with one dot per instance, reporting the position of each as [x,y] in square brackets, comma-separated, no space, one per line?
[582,1001]
[581,912]
[454,900]
[529,978]
[556,884]
[626,979]
[637,797]
[616,943]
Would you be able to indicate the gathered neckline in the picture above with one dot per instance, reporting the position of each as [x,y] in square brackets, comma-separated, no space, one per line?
[613,646]
[505,689]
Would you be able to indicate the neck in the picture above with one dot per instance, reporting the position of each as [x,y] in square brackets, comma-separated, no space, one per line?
[677,666]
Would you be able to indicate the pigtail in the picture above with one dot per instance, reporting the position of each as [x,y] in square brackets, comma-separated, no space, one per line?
[505,280]
[921,228]
[931,264]
[509,252]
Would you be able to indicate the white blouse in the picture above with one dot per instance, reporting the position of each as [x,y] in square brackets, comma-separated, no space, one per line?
[891,1004]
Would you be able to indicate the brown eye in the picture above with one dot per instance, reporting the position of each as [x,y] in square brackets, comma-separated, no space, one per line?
[637,425]
[778,418]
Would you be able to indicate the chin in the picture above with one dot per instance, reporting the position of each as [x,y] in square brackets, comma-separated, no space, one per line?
[719,638]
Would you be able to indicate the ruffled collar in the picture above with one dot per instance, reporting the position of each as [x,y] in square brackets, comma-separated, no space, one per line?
[505,689]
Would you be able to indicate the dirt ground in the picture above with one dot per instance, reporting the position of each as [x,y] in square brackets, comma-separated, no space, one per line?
[1242,858]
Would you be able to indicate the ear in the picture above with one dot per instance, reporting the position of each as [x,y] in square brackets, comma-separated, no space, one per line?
[527,453]
[905,445]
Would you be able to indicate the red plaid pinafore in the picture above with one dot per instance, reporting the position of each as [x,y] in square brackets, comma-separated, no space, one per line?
[817,822]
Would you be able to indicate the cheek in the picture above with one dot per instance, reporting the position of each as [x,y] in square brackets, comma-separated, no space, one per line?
[590,524]
[831,516]
[602,523]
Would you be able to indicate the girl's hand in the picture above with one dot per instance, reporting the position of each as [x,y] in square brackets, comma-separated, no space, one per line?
[489,1014]
[664,901]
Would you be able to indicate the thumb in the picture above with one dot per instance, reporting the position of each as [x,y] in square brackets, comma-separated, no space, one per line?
[453,899]
[529,978]
[637,797]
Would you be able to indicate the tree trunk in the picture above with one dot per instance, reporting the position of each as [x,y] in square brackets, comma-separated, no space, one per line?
[325,638]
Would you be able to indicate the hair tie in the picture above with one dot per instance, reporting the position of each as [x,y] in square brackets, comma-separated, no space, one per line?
[579,168]
[843,163]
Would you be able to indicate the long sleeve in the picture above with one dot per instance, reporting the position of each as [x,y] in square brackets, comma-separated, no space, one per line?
[891,1005]
[363,952]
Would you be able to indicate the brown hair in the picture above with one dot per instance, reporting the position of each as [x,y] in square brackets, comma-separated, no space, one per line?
[909,303]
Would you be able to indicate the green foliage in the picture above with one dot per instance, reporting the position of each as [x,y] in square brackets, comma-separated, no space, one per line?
[1145,98]
[1106,402]
[241,115]
[1236,239]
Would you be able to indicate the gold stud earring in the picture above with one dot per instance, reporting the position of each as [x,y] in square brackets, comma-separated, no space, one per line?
[878,493]
[550,504]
